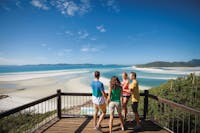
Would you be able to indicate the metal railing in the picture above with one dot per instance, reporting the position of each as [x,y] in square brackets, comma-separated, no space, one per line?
[30,117]
[80,104]
[173,116]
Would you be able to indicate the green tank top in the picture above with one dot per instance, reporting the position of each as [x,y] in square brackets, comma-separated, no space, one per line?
[115,94]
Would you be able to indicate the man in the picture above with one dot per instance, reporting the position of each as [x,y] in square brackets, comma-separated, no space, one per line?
[135,96]
[98,98]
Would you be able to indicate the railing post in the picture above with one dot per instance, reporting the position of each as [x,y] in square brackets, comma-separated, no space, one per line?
[59,104]
[146,94]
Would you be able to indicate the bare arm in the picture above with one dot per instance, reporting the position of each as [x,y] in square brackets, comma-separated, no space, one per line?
[109,93]
[104,94]
[121,96]
[124,86]
[126,83]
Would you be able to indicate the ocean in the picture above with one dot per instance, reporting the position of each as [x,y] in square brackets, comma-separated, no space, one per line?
[145,78]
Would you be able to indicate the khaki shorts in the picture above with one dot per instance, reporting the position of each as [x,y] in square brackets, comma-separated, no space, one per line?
[113,105]
[101,107]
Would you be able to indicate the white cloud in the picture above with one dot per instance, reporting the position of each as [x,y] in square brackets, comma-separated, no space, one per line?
[69,33]
[83,34]
[41,4]
[70,8]
[84,7]
[43,44]
[18,4]
[113,5]
[63,52]
[101,28]
[89,49]
[5,7]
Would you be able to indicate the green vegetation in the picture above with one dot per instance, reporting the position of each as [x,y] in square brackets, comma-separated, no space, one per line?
[185,91]
[23,122]
[192,63]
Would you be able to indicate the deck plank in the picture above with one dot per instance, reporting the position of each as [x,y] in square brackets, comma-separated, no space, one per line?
[85,125]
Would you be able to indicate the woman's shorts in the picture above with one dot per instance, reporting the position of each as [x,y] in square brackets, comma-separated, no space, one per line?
[113,105]
[135,107]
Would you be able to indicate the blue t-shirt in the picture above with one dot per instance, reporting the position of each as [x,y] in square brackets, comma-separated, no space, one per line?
[97,88]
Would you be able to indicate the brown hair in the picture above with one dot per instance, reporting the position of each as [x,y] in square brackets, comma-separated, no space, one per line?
[96,74]
[114,82]
[126,75]
[134,74]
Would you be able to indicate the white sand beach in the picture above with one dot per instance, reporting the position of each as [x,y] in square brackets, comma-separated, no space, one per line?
[170,70]
[30,86]
[35,85]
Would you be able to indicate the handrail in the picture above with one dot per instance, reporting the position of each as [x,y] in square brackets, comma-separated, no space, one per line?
[17,109]
[75,94]
[86,94]
[173,104]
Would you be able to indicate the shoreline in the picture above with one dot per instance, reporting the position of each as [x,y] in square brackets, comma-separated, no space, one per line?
[169,70]
[19,97]
[27,87]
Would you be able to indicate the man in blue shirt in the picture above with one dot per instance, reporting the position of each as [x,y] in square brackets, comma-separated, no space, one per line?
[98,98]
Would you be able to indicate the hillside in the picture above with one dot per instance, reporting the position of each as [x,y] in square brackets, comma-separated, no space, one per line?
[184,90]
[191,63]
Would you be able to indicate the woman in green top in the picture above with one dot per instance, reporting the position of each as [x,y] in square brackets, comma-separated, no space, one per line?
[114,98]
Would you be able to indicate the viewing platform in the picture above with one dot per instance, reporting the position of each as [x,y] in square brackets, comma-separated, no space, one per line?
[72,112]
[85,125]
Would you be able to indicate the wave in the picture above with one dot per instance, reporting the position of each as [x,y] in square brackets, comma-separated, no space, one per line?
[153,77]
[105,81]
[144,87]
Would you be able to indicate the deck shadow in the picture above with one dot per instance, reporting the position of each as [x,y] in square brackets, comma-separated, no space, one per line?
[83,125]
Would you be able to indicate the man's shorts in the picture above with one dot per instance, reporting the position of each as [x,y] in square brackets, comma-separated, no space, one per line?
[101,107]
[135,107]
[113,105]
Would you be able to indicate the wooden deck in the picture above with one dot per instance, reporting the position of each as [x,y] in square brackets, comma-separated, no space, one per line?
[85,125]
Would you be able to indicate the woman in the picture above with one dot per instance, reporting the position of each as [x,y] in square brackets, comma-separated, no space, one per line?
[125,93]
[114,97]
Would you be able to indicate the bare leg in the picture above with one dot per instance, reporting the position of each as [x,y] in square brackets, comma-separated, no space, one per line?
[125,107]
[111,122]
[95,115]
[137,119]
[121,120]
[100,119]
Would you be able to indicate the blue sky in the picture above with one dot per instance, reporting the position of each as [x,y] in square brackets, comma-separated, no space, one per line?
[98,31]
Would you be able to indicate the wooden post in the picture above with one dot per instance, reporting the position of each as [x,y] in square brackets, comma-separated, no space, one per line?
[146,94]
[59,104]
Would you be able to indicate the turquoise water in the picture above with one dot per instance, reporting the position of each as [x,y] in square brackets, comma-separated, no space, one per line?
[107,71]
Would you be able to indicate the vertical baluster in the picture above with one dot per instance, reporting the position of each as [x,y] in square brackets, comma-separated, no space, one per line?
[173,120]
[49,110]
[183,123]
[195,124]
[70,102]
[50,105]
[177,120]
[64,104]
[54,107]
[189,124]
[69,105]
